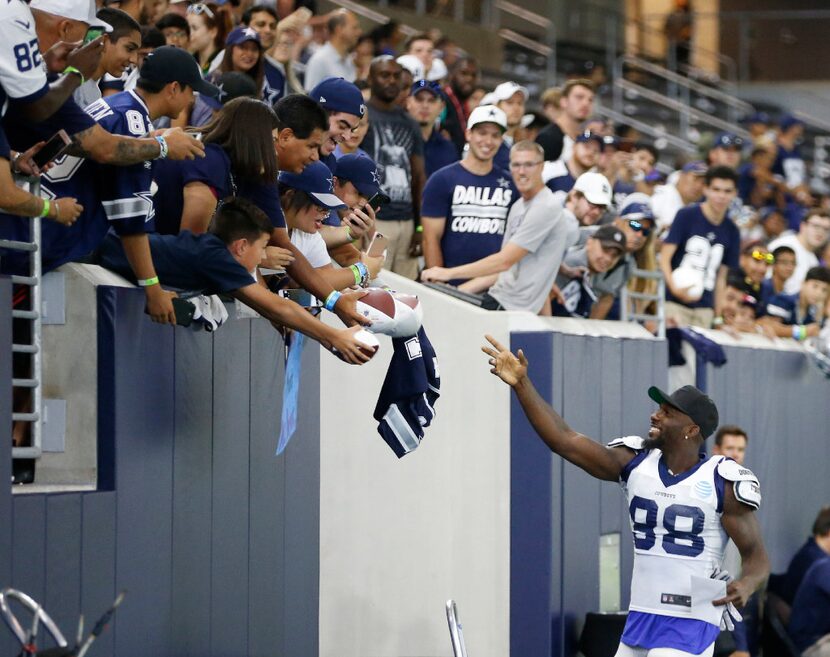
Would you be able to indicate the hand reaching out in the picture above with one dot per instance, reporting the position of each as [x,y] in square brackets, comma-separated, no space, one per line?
[509,368]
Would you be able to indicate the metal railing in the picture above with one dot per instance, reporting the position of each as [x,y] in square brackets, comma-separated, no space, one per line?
[34,315]
[658,298]
[647,129]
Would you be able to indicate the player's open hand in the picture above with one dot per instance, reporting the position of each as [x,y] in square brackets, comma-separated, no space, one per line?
[509,368]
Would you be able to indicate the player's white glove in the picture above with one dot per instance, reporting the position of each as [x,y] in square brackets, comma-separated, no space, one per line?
[731,615]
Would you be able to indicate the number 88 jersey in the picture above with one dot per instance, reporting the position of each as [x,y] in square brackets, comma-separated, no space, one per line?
[676,527]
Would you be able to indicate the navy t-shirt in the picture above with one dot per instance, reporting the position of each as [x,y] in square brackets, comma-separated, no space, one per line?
[785,308]
[273,84]
[475,208]
[438,153]
[214,170]
[502,157]
[703,246]
[5,149]
[185,261]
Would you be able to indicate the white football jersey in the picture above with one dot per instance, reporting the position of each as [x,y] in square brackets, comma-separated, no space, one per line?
[677,531]
[21,66]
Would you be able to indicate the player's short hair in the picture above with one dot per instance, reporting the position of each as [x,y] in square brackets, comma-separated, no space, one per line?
[420,36]
[551,96]
[173,20]
[729,430]
[721,173]
[122,23]
[238,218]
[821,274]
[570,85]
[242,128]
[528,145]
[781,250]
[645,146]
[302,114]
[821,526]
[258,9]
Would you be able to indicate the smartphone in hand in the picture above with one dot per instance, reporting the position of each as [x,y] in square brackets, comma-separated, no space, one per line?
[377,201]
[378,245]
[52,149]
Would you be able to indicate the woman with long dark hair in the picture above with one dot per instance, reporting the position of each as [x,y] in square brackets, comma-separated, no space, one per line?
[243,53]
[209,25]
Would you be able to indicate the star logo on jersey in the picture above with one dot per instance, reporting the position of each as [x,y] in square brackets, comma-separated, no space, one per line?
[711,236]
[269,94]
[503,182]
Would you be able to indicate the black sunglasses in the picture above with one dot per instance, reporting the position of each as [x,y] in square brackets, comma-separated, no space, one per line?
[638,225]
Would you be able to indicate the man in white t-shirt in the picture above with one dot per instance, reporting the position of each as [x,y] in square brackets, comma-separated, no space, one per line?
[812,235]
[671,197]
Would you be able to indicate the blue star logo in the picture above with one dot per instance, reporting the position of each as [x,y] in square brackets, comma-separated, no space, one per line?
[250,32]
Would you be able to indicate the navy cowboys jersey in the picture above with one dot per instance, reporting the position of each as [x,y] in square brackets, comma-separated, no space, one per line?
[115,196]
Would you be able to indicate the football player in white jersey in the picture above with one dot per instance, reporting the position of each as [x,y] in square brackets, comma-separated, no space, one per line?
[682,504]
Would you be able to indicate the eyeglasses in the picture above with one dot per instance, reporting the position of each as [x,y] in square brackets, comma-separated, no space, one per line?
[524,165]
[200,8]
[763,256]
[636,224]
[819,226]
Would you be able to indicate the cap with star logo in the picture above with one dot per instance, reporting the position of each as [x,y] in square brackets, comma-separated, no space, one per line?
[487,114]
[231,84]
[339,95]
[242,34]
[316,180]
[361,171]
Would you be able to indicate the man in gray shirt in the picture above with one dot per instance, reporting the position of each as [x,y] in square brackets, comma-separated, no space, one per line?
[538,232]
[334,59]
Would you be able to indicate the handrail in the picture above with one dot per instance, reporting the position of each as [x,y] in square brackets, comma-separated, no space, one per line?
[682,109]
[659,297]
[521,12]
[525,42]
[646,128]
[683,81]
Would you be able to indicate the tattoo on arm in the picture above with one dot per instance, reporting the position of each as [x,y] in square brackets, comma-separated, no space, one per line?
[76,148]
[128,150]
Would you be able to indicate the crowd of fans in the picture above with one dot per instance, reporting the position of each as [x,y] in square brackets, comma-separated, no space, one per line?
[172,109]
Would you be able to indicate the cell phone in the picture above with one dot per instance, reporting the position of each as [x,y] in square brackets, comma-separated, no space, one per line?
[184,311]
[52,149]
[93,33]
[378,200]
[378,245]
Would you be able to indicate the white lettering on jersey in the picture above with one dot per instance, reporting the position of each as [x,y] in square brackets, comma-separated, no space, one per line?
[704,256]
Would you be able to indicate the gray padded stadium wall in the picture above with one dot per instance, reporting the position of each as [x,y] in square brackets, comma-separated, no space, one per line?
[214,538]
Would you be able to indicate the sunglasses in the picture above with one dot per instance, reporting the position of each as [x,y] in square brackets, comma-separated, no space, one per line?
[636,224]
[200,8]
[763,256]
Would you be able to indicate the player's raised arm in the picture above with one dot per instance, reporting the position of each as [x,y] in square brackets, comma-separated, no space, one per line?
[595,459]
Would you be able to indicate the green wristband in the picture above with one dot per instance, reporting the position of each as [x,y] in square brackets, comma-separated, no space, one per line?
[148,282]
[44,211]
[72,69]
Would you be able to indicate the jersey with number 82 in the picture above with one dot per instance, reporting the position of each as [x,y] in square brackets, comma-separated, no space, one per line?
[677,531]
[21,67]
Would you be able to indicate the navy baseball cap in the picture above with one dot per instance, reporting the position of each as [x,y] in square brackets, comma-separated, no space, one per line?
[339,95]
[728,140]
[168,64]
[587,135]
[427,85]
[636,206]
[694,403]
[788,121]
[242,34]
[230,85]
[698,167]
[758,117]
[316,181]
[361,171]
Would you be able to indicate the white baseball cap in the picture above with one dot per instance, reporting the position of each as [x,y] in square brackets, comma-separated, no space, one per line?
[412,64]
[487,114]
[78,10]
[438,70]
[595,187]
[506,90]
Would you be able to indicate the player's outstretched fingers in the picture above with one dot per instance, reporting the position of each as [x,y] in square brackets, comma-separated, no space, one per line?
[522,358]
[499,347]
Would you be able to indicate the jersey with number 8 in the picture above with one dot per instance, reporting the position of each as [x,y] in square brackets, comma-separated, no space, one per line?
[21,72]
[677,531]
